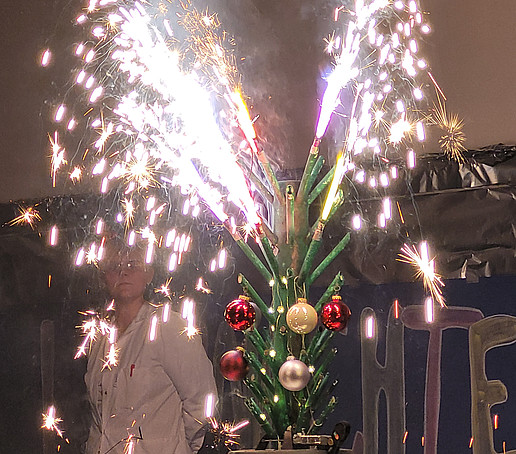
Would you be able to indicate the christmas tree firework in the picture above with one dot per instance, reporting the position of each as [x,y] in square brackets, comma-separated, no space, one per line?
[164,132]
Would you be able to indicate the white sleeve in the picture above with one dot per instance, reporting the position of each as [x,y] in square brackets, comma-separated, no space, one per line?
[185,362]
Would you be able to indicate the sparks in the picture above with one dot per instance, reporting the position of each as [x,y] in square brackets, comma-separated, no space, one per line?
[400,129]
[164,289]
[111,359]
[453,138]
[425,268]
[105,133]
[172,133]
[129,209]
[57,157]
[225,432]
[28,216]
[201,286]
[93,326]
[75,174]
[140,170]
[51,422]
[89,329]
[91,255]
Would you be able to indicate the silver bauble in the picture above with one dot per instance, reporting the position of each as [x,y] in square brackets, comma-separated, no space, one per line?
[294,375]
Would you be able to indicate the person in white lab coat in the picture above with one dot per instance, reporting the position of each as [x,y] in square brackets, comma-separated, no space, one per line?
[153,400]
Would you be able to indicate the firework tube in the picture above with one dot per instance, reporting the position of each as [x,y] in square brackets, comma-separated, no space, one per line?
[254,259]
[336,205]
[259,185]
[315,171]
[318,343]
[323,341]
[340,169]
[333,288]
[324,396]
[281,293]
[258,392]
[315,244]
[248,288]
[257,340]
[249,252]
[329,258]
[266,248]
[279,411]
[304,413]
[325,363]
[269,173]
[324,414]
[253,407]
[289,214]
[321,186]
[256,365]
[273,238]
[244,119]
[316,390]
[310,162]
[291,292]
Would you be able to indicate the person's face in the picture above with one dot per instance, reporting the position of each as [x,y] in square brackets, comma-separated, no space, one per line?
[126,274]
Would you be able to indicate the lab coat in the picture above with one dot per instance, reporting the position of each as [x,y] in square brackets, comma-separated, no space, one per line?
[157,389]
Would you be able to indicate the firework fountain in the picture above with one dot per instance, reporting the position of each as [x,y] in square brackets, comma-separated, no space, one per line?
[163,128]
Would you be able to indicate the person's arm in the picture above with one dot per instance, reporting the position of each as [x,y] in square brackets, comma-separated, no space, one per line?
[191,372]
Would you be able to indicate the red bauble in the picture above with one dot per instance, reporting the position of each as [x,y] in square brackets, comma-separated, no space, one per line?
[233,365]
[240,314]
[335,314]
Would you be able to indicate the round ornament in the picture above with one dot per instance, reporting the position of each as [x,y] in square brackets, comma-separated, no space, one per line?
[240,314]
[294,374]
[233,365]
[301,317]
[335,314]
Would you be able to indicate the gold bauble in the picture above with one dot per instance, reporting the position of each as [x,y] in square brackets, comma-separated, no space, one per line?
[301,317]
